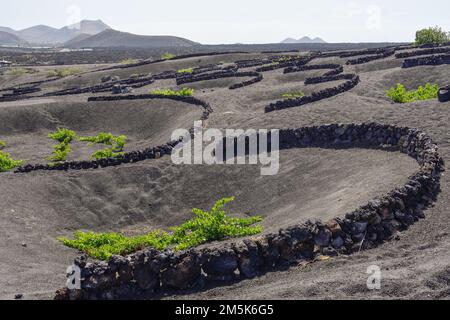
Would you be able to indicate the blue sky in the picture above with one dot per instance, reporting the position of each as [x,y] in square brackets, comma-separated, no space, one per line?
[241,21]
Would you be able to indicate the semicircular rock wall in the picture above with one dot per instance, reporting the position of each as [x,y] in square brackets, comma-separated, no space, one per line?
[352,80]
[128,157]
[151,271]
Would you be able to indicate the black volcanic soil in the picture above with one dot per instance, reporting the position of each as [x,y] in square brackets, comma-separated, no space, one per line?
[312,183]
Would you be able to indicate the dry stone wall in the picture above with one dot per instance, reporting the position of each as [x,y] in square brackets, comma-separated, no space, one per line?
[153,272]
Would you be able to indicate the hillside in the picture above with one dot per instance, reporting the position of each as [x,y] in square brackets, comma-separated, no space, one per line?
[113,38]
[304,40]
[90,27]
[76,39]
[9,39]
[45,35]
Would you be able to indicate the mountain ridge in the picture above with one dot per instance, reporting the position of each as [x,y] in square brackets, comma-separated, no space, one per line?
[303,40]
[43,34]
[113,38]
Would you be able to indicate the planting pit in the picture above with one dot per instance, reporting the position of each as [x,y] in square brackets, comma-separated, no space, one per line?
[135,198]
[146,123]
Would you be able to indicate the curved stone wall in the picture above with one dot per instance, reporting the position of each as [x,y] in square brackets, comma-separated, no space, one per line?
[313,67]
[329,78]
[257,77]
[151,271]
[128,157]
[385,54]
[444,94]
[426,61]
[315,96]
[422,52]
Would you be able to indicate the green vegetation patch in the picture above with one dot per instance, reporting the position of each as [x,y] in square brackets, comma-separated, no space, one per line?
[167,56]
[204,227]
[184,92]
[117,144]
[61,150]
[6,162]
[19,71]
[62,73]
[400,94]
[129,61]
[187,70]
[432,35]
[106,154]
[293,95]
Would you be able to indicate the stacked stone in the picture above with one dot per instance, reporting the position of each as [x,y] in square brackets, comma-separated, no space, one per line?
[285,64]
[422,52]
[444,94]
[313,67]
[170,74]
[132,82]
[379,56]
[253,62]
[328,78]
[18,93]
[315,96]
[366,52]
[258,78]
[427,61]
[229,73]
[150,271]
[128,157]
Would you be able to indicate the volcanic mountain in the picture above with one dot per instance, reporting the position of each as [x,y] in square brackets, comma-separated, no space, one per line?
[9,39]
[45,35]
[303,40]
[113,38]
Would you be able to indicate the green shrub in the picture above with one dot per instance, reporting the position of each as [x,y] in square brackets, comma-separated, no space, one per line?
[62,135]
[117,144]
[205,227]
[6,162]
[213,225]
[106,154]
[399,94]
[185,92]
[432,35]
[293,95]
[187,70]
[167,56]
[129,61]
[62,73]
[61,150]
[285,58]
[20,71]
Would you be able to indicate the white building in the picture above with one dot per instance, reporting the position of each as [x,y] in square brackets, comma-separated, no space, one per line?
[4,63]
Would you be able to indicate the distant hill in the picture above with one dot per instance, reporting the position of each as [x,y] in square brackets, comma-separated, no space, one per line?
[303,40]
[113,38]
[7,30]
[78,38]
[90,27]
[45,35]
[8,39]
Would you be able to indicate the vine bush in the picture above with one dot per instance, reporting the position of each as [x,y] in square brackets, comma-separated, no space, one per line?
[205,227]
[400,94]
